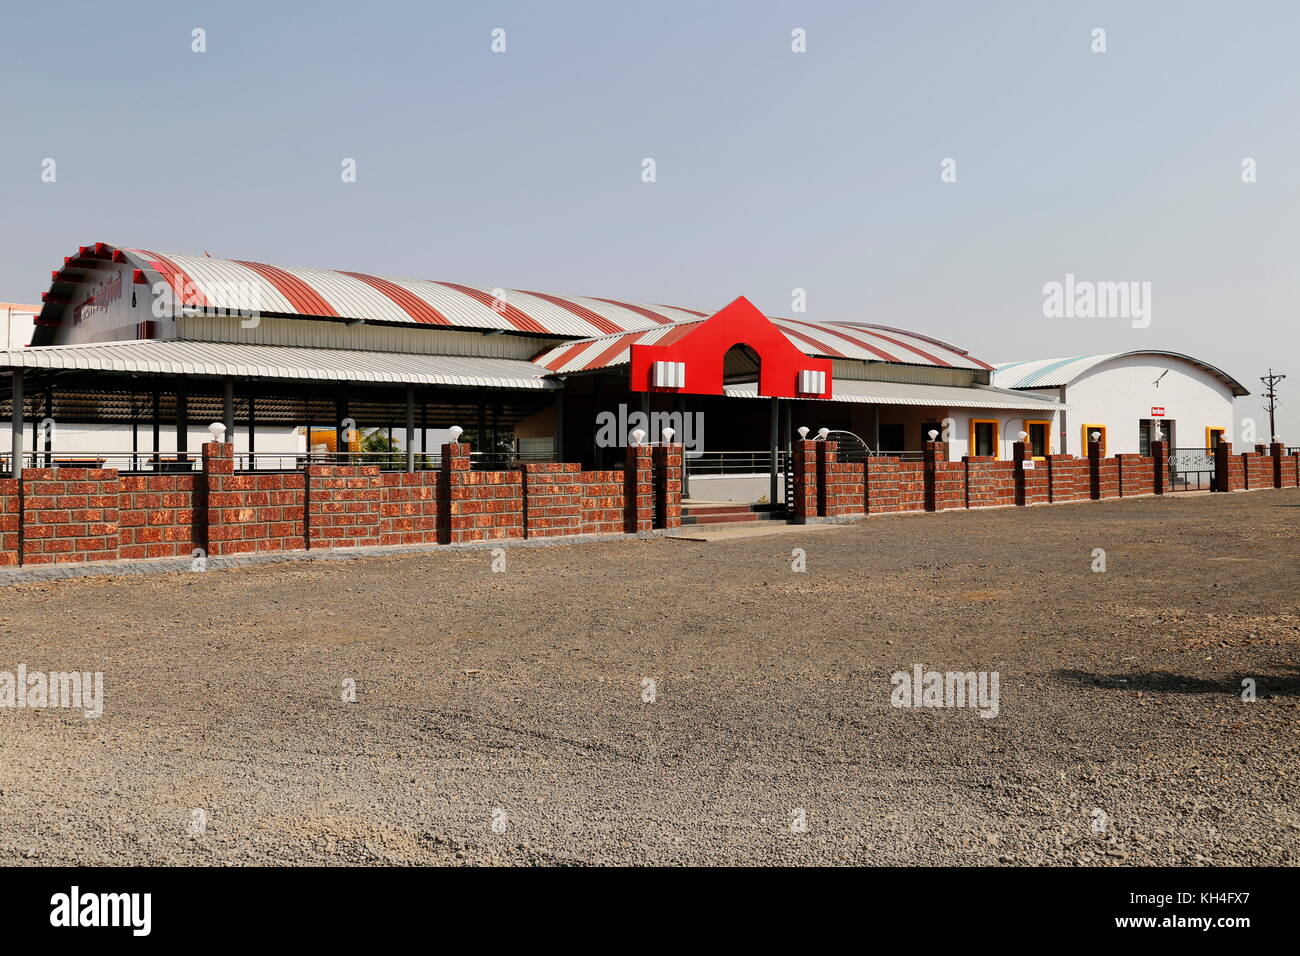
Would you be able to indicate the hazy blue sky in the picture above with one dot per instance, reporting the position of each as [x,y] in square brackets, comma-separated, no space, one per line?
[775,170]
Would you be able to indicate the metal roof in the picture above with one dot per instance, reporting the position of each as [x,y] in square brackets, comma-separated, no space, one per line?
[234,285]
[827,339]
[907,393]
[178,357]
[1048,373]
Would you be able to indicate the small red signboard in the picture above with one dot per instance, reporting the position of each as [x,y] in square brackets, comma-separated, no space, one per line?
[1157,411]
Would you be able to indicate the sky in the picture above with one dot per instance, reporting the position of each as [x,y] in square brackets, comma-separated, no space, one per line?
[774,170]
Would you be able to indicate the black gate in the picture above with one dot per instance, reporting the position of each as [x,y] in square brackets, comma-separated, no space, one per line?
[1191,469]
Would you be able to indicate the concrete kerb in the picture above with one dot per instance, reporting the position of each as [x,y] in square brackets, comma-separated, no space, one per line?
[60,572]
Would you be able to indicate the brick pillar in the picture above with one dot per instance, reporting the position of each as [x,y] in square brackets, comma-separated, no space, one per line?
[803,463]
[1019,455]
[218,499]
[668,486]
[1094,470]
[828,455]
[931,453]
[1159,466]
[638,490]
[1277,450]
[1222,469]
[453,491]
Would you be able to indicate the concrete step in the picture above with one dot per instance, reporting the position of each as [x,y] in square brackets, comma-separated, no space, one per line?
[747,517]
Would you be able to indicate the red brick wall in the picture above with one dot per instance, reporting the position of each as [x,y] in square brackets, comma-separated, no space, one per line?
[839,483]
[409,508]
[803,467]
[1032,484]
[638,490]
[1258,470]
[9,521]
[880,485]
[602,502]
[989,483]
[70,514]
[345,506]
[552,499]
[911,486]
[668,466]
[1067,478]
[1229,469]
[1136,475]
[1287,474]
[945,481]
[161,516]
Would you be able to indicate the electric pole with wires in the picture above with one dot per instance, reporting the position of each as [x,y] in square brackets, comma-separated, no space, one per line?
[1270,380]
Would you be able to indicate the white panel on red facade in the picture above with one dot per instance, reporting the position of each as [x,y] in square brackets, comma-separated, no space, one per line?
[670,374]
[812,383]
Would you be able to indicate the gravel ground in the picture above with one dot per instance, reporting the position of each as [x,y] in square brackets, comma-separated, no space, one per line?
[518,697]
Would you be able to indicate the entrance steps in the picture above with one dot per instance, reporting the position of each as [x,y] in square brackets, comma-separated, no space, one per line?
[729,512]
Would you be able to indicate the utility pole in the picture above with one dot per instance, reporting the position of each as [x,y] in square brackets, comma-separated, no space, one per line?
[1271,380]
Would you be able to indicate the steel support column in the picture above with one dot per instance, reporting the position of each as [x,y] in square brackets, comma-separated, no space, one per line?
[16,434]
[773,439]
[228,407]
[410,428]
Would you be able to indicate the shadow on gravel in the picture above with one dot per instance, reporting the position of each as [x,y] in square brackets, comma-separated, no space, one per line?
[1163,682]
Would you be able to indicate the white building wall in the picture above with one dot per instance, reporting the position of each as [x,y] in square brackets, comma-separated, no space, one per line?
[16,324]
[1121,392]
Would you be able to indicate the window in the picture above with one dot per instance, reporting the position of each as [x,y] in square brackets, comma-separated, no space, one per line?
[891,438]
[984,437]
[1040,438]
[1212,437]
[1087,437]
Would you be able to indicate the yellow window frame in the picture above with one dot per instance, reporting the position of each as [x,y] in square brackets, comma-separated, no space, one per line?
[997,436]
[1087,440]
[1210,430]
[1047,431]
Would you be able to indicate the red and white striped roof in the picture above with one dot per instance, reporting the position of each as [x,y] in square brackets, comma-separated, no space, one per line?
[233,284]
[823,339]
[604,328]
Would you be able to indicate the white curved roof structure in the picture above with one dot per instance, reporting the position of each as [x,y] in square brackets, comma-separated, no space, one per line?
[1050,373]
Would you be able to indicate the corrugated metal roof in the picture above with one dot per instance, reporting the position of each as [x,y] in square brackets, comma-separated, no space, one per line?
[823,339]
[907,393]
[281,362]
[1054,372]
[231,285]
[238,285]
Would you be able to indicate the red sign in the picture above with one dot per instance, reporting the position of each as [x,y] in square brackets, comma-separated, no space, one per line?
[1157,411]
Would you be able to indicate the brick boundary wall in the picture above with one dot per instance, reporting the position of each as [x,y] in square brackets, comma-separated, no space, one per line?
[161,516]
[880,494]
[58,515]
[1286,468]
[1136,476]
[638,490]
[669,465]
[989,483]
[1033,482]
[1067,478]
[803,469]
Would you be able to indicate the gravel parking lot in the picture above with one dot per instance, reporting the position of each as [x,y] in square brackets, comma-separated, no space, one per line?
[517,699]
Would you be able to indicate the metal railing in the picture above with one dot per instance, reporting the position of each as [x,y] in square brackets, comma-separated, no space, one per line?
[149,463]
[734,462]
